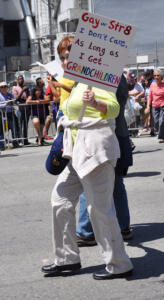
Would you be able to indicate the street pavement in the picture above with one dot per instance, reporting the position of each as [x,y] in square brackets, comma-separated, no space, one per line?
[25,231]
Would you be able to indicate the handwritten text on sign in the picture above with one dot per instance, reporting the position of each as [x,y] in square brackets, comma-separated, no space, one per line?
[99,51]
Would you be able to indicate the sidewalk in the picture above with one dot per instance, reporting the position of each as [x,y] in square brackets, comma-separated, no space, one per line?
[25,230]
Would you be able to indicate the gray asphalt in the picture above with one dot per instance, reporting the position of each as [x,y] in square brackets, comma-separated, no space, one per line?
[25,231]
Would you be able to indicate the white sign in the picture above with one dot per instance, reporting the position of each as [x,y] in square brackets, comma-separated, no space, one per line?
[99,51]
[53,67]
[142,59]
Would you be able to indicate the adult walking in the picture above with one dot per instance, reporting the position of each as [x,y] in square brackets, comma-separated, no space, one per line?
[93,150]
[156,98]
[85,234]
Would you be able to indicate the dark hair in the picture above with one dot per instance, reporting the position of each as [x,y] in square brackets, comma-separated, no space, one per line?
[52,77]
[34,91]
[20,76]
[37,80]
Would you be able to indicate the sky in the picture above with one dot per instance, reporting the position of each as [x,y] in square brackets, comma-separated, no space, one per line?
[146,15]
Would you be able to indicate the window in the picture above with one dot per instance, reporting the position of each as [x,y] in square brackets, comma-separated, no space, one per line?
[11,33]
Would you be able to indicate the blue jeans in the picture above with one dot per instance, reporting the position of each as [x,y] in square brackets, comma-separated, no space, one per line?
[84,228]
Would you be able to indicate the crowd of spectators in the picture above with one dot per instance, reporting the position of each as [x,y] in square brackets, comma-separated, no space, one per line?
[21,103]
[146,98]
[144,109]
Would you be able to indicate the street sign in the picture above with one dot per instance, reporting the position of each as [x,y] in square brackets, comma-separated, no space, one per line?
[142,59]
[99,51]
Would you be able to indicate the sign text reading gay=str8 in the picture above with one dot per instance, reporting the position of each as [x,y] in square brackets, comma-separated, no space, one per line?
[99,51]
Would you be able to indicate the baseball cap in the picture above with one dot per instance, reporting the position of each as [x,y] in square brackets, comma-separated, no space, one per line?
[3,83]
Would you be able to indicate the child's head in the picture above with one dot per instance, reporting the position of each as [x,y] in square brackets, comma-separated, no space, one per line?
[64,48]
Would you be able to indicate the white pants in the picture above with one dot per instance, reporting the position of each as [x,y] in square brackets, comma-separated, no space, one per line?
[98,188]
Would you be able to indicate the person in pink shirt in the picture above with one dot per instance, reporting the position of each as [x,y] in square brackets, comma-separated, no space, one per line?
[21,93]
[156,98]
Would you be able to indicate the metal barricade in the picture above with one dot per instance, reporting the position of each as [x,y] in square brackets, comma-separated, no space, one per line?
[17,127]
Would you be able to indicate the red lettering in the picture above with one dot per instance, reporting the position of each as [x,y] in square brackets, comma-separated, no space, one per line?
[112,24]
[116,26]
[95,60]
[74,67]
[121,27]
[85,17]
[69,65]
[127,30]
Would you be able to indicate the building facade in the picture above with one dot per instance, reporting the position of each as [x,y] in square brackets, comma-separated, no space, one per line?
[31,29]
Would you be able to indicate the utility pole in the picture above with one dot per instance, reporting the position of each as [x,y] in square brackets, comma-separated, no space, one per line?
[91,7]
[51,30]
[156,54]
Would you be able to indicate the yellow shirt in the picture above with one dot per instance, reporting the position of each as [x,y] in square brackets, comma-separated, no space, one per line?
[63,93]
[71,108]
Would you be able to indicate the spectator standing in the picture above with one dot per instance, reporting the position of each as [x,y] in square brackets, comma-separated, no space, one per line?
[146,117]
[156,97]
[21,93]
[53,95]
[8,110]
[38,113]
[136,93]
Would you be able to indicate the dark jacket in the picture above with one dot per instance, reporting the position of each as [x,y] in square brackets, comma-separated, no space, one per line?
[122,133]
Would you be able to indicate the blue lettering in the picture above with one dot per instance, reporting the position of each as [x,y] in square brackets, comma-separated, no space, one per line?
[103,24]
[82,29]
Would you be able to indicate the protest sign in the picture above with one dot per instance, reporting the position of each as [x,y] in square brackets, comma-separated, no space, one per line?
[99,51]
[53,68]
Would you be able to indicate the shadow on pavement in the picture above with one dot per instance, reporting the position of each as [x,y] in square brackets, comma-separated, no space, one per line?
[142,174]
[152,263]
[148,151]
[8,155]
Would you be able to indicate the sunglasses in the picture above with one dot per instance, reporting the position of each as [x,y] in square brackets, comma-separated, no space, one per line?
[3,86]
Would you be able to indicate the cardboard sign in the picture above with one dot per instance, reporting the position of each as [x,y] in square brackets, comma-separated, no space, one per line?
[53,67]
[99,51]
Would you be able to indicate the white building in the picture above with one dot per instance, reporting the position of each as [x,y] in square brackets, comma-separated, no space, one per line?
[14,41]
[30,30]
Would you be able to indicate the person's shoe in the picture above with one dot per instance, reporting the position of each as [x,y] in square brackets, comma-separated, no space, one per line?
[86,241]
[43,143]
[144,130]
[127,234]
[16,146]
[152,133]
[104,274]
[58,270]
[48,137]
[132,145]
[26,143]
[2,148]
[161,141]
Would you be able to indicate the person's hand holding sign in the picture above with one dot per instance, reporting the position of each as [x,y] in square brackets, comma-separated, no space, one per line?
[89,99]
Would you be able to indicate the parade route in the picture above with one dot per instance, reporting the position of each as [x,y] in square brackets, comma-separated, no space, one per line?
[25,231]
